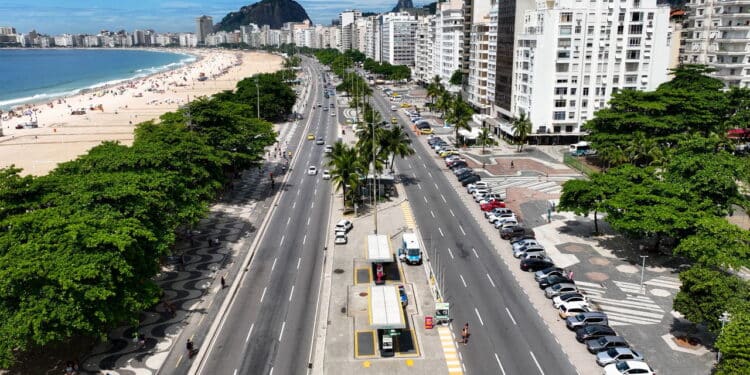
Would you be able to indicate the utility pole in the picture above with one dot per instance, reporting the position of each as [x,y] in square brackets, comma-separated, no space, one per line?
[643,268]
[724,319]
[374,175]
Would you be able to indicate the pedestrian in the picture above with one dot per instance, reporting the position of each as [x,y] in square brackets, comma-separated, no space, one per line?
[465,334]
[511,164]
[190,348]
[223,283]
[141,340]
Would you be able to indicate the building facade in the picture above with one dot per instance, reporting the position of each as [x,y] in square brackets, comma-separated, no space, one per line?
[424,41]
[397,33]
[204,25]
[449,39]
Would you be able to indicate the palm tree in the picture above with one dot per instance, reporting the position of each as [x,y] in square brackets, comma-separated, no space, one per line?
[459,115]
[345,169]
[435,89]
[485,137]
[521,130]
[444,103]
[399,144]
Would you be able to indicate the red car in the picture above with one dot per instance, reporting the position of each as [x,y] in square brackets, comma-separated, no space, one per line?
[492,204]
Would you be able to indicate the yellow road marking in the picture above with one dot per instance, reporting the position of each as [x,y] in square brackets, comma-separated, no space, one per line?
[449,351]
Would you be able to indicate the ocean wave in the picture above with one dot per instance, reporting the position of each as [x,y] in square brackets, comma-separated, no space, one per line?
[36,98]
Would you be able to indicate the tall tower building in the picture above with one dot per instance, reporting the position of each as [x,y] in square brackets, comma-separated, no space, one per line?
[204,25]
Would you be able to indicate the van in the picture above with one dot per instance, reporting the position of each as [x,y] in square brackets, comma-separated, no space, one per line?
[409,250]
[587,318]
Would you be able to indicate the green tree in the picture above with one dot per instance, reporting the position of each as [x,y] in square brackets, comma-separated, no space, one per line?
[583,197]
[521,130]
[17,193]
[734,345]
[435,89]
[345,169]
[717,243]
[399,144]
[706,293]
[444,103]
[457,78]
[459,114]
[486,139]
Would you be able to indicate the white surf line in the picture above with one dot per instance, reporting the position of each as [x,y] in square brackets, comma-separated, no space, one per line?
[511,316]
[281,333]
[235,372]
[475,252]
[291,294]
[249,333]
[463,281]
[299,260]
[436,187]
[294,204]
[464,232]
[450,253]
[537,363]
[312,205]
[499,364]
[479,316]
[441,232]
[274,264]
[263,295]
[491,282]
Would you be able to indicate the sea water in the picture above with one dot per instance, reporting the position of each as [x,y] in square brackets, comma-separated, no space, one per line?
[38,75]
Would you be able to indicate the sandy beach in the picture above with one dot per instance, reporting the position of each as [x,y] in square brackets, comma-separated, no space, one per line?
[69,127]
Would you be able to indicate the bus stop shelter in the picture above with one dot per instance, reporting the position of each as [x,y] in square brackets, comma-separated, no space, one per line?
[385,308]
[379,249]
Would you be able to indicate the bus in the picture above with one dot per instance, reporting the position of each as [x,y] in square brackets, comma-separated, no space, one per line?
[581,149]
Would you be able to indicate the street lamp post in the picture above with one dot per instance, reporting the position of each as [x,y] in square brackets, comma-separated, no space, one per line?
[257,96]
[643,268]
[724,319]
[374,175]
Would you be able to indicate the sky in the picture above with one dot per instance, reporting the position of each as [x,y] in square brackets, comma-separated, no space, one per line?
[91,16]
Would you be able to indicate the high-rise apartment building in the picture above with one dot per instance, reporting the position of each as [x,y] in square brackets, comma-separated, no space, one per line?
[204,25]
[449,39]
[716,34]
[476,85]
[347,19]
[572,56]
[397,33]
[424,41]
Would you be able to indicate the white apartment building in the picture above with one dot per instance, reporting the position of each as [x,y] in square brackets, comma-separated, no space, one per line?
[371,47]
[188,40]
[347,19]
[476,87]
[573,55]
[492,55]
[449,42]
[424,49]
[397,44]
[204,25]
[359,34]
[64,40]
[716,34]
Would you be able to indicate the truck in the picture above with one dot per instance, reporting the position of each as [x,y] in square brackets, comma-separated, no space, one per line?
[409,250]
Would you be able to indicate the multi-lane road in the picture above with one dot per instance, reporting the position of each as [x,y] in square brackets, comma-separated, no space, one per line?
[269,323]
[507,334]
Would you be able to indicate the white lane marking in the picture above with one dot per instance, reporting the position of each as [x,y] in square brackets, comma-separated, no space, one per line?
[475,252]
[308,221]
[537,363]
[271,372]
[304,239]
[452,214]
[409,164]
[282,240]
[491,282]
[298,192]
[235,372]
[464,232]
[428,172]
[425,199]
[463,281]
[511,316]
[291,294]
[249,332]
[419,186]
[432,213]
[443,196]
[450,253]
[288,220]
[419,156]
[499,364]
[281,333]
[479,316]
[436,187]
[299,260]
[274,263]
[441,232]
[312,205]
[294,204]
[263,295]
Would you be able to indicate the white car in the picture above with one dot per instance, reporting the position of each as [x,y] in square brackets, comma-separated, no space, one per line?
[498,220]
[340,239]
[343,226]
[333,114]
[629,368]
[529,241]
[569,298]
[311,171]
[565,311]
[572,304]
[328,149]
[326,174]
[527,250]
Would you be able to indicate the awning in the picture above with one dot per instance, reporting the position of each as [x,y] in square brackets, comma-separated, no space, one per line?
[385,308]
[472,135]
[379,249]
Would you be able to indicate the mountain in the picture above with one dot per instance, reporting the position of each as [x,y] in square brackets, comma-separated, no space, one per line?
[403,5]
[267,12]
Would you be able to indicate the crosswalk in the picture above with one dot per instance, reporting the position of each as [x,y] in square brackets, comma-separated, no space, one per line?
[549,185]
[449,351]
[665,282]
[408,215]
[635,309]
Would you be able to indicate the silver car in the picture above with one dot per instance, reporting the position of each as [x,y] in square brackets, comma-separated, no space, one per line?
[613,355]
[521,251]
[558,289]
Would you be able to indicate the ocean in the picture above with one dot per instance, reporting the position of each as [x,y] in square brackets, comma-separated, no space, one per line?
[37,75]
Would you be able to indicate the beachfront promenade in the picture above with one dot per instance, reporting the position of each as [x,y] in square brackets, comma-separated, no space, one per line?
[111,113]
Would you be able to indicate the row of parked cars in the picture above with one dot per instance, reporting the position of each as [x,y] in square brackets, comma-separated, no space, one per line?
[458,165]
[591,327]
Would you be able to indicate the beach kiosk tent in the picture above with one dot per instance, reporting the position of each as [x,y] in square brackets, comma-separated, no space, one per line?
[379,249]
[385,308]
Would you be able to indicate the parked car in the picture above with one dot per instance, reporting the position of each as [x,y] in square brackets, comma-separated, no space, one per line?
[497,211]
[504,219]
[508,232]
[328,149]
[547,272]
[535,264]
[589,318]
[471,179]
[570,309]
[448,152]
[479,185]
[533,254]
[629,368]
[509,224]
[558,289]
[531,248]
[310,136]
[554,279]
[343,226]
[593,331]
[529,234]
[340,238]
[464,176]
[568,297]
[605,342]
[458,164]
[402,294]
[494,195]
[613,355]
[501,217]
[492,205]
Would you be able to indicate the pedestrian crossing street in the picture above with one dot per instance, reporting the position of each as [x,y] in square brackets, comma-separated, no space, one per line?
[635,309]
[449,350]
[549,185]
[408,215]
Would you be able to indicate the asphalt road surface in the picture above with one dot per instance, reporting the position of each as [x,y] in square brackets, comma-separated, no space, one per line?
[507,335]
[269,325]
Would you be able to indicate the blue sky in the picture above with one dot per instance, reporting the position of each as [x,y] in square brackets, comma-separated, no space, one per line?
[90,16]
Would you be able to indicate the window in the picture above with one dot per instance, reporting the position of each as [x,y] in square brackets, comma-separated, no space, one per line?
[563,43]
[633,54]
[571,115]
[636,17]
[631,67]
[621,17]
[574,79]
[572,91]
[584,103]
[585,91]
[636,29]
[620,28]
[615,80]
[565,30]
[566,17]
[561,90]
[559,103]
[563,54]
[558,115]
[591,30]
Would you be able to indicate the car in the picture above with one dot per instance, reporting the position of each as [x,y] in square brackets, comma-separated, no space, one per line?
[320,141]
[470,179]
[535,264]
[613,355]
[494,195]
[523,243]
[593,331]
[328,149]
[587,318]
[554,279]
[343,226]
[479,185]
[451,158]
[459,165]
[394,120]
[326,174]
[573,308]
[310,136]
[547,272]
[508,232]
[433,140]
[464,174]
[481,192]
[333,114]
[497,211]
[459,170]
[533,255]
[492,205]
[402,294]
[527,249]
[425,130]
[529,234]
[325,108]
[558,289]
[509,224]
[500,217]
[605,342]
[568,297]
[311,171]
[448,152]
[394,108]
[629,368]
[340,238]
[333,105]
[501,222]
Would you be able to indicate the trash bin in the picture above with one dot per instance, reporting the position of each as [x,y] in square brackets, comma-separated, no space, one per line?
[428,323]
